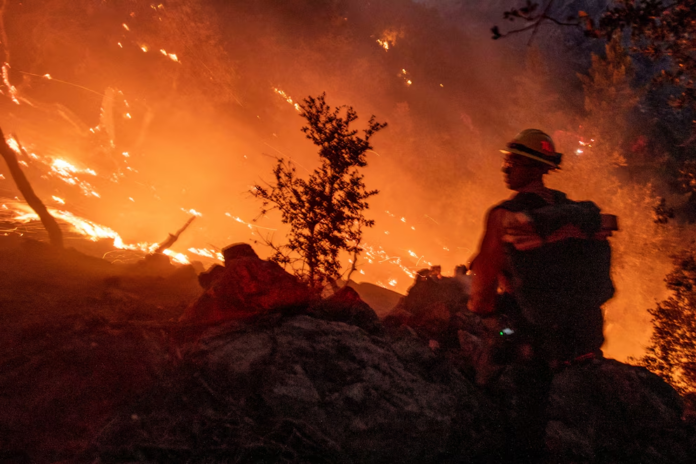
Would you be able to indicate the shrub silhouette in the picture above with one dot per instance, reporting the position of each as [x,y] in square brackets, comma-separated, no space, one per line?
[324,211]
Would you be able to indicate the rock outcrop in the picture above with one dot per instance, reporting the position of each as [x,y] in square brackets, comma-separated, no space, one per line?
[246,287]
[347,306]
[311,381]
[430,303]
[310,390]
[301,389]
[381,300]
[607,411]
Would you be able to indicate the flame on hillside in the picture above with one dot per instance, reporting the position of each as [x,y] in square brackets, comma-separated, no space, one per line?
[127,175]
[73,174]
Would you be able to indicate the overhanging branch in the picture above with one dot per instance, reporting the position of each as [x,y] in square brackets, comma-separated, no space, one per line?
[535,21]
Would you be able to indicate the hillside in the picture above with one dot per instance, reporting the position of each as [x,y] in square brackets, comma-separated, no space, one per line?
[95,367]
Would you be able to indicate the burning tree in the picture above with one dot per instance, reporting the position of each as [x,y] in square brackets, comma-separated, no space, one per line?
[324,211]
[672,351]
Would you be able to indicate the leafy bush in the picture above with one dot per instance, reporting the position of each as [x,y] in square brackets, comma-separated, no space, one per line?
[324,211]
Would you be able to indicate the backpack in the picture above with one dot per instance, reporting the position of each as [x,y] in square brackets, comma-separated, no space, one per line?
[560,285]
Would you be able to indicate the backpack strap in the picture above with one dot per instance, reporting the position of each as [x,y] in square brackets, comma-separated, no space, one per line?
[527,201]
[534,221]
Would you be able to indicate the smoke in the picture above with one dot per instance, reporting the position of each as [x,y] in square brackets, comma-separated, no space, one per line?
[198,130]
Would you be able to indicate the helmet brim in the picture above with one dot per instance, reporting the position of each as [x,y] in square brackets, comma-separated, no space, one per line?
[530,156]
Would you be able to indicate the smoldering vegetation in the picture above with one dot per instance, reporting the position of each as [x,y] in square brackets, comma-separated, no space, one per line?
[197,94]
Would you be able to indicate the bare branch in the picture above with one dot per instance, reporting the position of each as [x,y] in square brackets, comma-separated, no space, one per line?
[173,237]
[535,21]
[49,222]
[538,23]
[353,267]
[561,23]
[498,35]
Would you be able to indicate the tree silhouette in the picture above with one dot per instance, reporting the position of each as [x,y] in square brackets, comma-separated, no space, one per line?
[324,211]
[672,350]
[662,31]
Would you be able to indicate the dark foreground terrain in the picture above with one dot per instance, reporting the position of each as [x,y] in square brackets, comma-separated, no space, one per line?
[96,367]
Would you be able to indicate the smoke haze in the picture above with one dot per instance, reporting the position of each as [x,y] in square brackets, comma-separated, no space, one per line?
[197,95]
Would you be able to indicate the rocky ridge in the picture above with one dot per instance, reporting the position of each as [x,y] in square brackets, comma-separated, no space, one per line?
[263,378]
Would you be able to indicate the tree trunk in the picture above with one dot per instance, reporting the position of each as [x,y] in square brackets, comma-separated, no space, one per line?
[353,266]
[49,222]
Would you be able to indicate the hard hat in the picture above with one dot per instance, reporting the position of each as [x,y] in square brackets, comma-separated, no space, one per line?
[536,145]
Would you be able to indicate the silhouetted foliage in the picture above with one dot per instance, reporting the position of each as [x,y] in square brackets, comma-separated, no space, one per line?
[672,351]
[609,97]
[325,211]
[664,32]
[662,212]
[531,14]
[687,177]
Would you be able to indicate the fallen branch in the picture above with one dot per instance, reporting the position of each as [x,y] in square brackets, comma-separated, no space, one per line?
[173,237]
[49,222]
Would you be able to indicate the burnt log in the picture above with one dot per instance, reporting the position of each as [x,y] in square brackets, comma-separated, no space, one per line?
[55,235]
[171,240]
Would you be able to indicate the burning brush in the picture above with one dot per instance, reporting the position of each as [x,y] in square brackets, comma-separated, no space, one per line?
[35,209]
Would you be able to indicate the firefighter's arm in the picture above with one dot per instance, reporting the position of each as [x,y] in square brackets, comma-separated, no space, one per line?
[488,265]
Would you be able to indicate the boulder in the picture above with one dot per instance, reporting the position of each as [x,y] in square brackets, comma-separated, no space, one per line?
[397,317]
[247,287]
[238,250]
[309,390]
[607,411]
[346,306]
[429,305]
[426,293]
[304,390]
[381,300]
[207,277]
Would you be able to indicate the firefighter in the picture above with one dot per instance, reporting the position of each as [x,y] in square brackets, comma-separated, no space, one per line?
[528,158]
[542,306]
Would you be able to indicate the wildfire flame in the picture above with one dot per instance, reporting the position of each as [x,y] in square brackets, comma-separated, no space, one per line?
[388,39]
[212,254]
[171,56]
[93,231]
[178,257]
[71,174]
[11,89]
[287,98]
[192,212]
[65,171]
